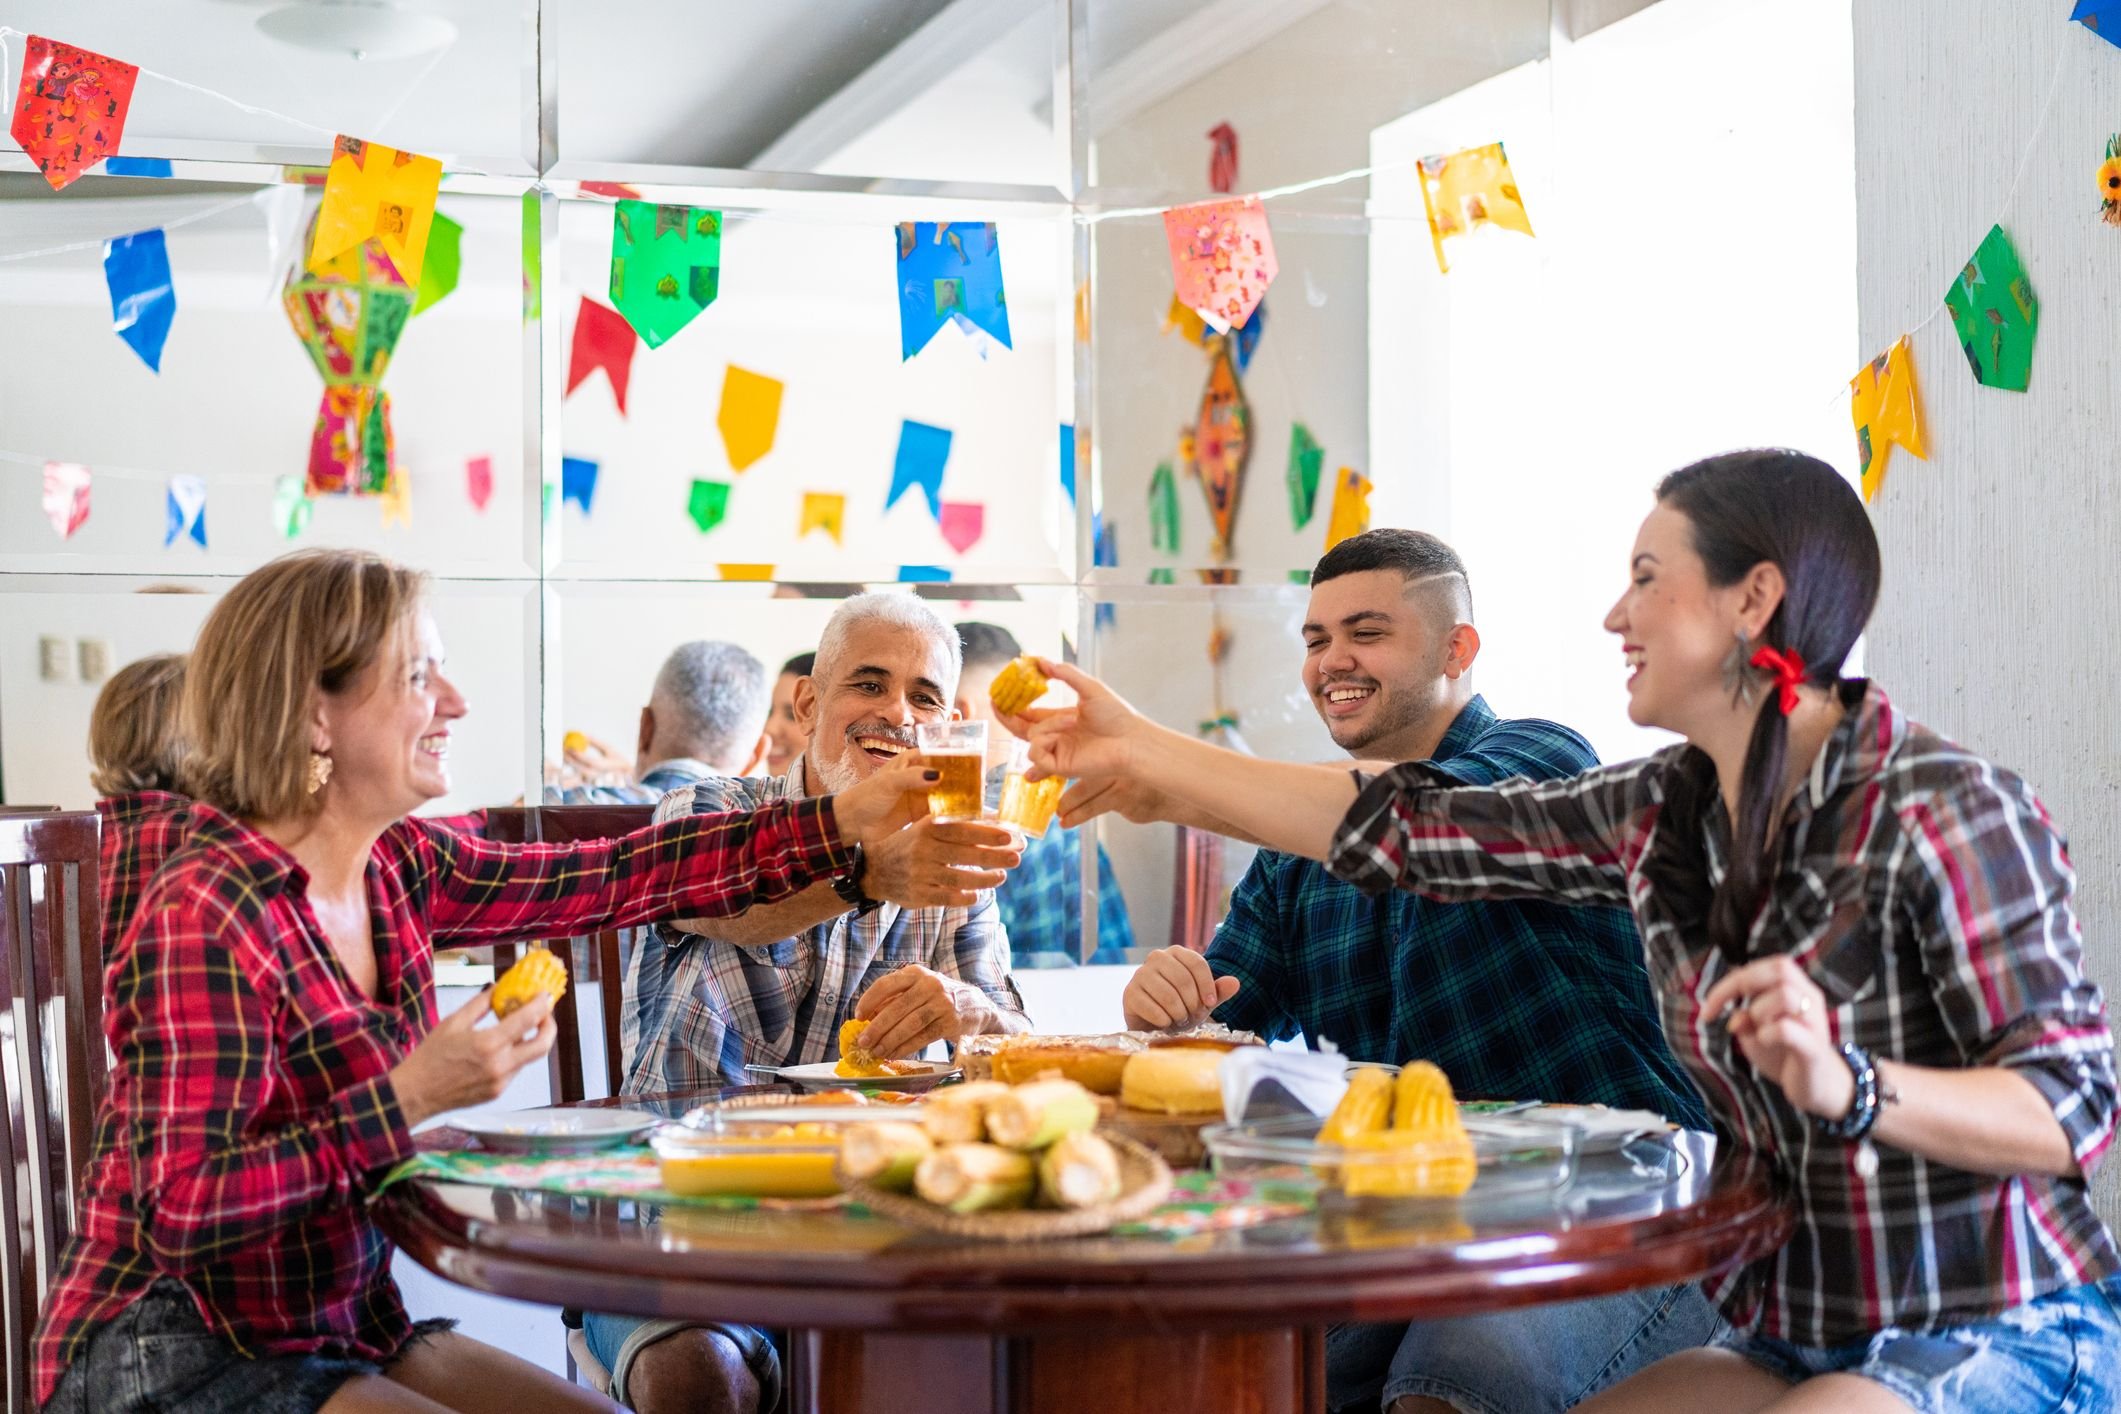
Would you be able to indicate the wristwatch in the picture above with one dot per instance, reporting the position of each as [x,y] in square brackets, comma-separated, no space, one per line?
[848,883]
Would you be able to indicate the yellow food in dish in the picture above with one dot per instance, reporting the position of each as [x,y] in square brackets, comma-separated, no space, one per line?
[857,1063]
[1096,1069]
[779,1168]
[1017,686]
[1366,1108]
[1424,1150]
[537,973]
[1392,1163]
[1174,1081]
[1422,1101]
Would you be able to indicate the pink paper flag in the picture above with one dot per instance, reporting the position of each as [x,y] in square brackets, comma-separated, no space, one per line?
[962,523]
[66,496]
[478,480]
[1222,259]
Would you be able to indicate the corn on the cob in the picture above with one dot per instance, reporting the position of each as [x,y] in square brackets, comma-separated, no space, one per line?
[855,1059]
[971,1178]
[958,1113]
[1033,1116]
[884,1154]
[1391,1164]
[1016,686]
[1364,1109]
[574,743]
[1422,1101]
[1079,1171]
[536,973]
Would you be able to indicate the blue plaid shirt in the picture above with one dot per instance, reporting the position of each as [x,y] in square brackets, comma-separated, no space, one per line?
[1042,905]
[655,783]
[1513,1000]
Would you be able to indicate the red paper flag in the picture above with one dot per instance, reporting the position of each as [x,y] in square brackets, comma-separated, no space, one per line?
[602,339]
[70,112]
[1222,162]
[962,523]
[478,480]
[66,496]
[1222,259]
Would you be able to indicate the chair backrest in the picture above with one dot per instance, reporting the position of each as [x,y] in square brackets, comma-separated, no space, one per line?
[598,955]
[51,1053]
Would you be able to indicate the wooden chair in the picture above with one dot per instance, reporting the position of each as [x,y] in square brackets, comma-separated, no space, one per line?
[51,1053]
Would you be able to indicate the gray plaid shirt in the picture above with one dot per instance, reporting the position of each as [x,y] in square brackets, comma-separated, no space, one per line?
[698,1011]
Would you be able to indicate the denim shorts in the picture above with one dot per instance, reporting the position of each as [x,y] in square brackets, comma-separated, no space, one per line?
[2057,1352]
[157,1356]
[616,1340]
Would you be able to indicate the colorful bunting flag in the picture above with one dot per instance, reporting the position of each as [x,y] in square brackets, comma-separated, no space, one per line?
[373,192]
[1222,444]
[1306,459]
[137,167]
[1067,460]
[1082,312]
[823,510]
[445,261]
[951,273]
[66,496]
[1351,507]
[70,111]
[478,481]
[745,572]
[750,416]
[1467,189]
[1163,510]
[291,507]
[143,296]
[578,481]
[1996,313]
[1222,158]
[924,574]
[922,450]
[533,246]
[602,339]
[1248,337]
[709,504]
[185,504]
[962,523]
[666,265]
[2101,17]
[396,500]
[1886,408]
[1163,574]
[1190,325]
[2110,180]
[353,450]
[1222,259]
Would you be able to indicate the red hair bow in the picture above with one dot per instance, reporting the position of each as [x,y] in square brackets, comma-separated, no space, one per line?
[1787,668]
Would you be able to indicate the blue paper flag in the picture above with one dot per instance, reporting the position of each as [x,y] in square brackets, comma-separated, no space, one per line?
[578,481]
[1068,460]
[1104,551]
[1248,336]
[143,301]
[949,273]
[185,506]
[136,166]
[923,574]
[922,450]
[2101,17]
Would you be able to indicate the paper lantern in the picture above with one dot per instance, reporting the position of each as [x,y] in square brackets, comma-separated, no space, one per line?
[349,315]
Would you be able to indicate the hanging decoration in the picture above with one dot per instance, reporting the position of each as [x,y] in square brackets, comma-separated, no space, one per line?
[349,314]
[1996,314]
[1887,408]
[396,501]
[373,192]
[750,415]
[666,265]
[185,505]
[1248,336]
[143,295]
[1471,188]
[578,481]
[922,451]
[1082,312]
[2110,182]
[353,448]
[1163,510]
[70,111]
[445,263]
[291,507]
[1222,443]
[962,523]
[745,572]
[478,481]
[137,167]
[1222,158]
[1067,460]
[1190,326]
[950,273]
[2101,17]
[924,574]
[602,339]
[1351,507]
[66,496]
[1222,258]
[533,247]
[708,504]
[823,510]
[1306,459]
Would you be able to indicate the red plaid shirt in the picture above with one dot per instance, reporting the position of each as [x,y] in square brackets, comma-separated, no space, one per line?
[140,829]
[251,1108]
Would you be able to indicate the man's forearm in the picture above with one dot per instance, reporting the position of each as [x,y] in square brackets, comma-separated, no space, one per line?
[770,922]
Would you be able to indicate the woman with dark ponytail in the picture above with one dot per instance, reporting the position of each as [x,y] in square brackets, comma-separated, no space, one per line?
[1862,937]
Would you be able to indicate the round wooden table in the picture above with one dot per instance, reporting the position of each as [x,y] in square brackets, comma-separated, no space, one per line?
[886,1320]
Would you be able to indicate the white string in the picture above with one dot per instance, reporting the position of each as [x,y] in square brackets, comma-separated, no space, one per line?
[135,473]
[6,30]
[1268,194]
[202,214]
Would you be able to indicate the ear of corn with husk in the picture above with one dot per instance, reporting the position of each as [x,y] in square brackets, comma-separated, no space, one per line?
[1079,1171]
[974,1178]
[537,973]
[1016,686]
[884,1154]
[1030,1117]
[957,1114]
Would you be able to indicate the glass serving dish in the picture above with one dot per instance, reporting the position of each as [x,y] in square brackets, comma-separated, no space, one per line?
[751,1161]
[1515,1157]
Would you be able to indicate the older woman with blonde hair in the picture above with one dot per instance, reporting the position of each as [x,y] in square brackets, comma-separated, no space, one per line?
[271,1012]
[135,750]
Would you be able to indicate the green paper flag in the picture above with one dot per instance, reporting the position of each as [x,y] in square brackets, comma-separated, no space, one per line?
[1299,576]
[533,259]
[666,265]
[1162,575]
[709,503]
[291,506]
[1163,510]
[1994,309]
[1306,458]
[445,256]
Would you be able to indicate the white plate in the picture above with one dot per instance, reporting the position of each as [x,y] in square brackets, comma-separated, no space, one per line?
[1602,1130]
[554,1130]
[824,1076]
[706,1116]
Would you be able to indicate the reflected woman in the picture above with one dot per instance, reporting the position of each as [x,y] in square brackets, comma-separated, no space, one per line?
[135,750]
[271,1012]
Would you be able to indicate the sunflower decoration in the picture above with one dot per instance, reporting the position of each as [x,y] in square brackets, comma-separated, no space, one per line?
[2110,182]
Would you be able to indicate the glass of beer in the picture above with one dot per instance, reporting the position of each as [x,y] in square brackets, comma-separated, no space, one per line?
[959,751]
[1027,805]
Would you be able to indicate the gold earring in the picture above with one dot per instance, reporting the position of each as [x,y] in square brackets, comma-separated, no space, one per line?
[319,771]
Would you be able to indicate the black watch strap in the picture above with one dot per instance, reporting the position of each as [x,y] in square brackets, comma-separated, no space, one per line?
[848,883]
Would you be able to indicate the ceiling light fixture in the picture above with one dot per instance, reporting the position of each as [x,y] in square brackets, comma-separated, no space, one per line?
[362,29]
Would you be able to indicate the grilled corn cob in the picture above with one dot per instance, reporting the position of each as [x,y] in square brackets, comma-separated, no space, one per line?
[1364,1109]
[536,973]
[1422,1101]
[1016,686]
[971,1178]
[1393,1164]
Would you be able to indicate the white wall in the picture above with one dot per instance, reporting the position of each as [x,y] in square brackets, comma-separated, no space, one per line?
[1996,625]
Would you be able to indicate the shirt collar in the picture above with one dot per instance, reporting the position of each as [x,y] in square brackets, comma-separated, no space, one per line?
[267,865]
[133,805]
[798,781]
[1469,726]
[1869,733]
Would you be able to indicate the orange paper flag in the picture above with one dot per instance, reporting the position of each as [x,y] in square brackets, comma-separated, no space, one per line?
[1884,405]
[823,510]
[1351,506]
[377,192]
[750,415]
[746,571]
[1467,189]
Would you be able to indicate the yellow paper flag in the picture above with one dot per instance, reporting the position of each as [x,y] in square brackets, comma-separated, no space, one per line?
[823,510]
[1467,189]
[380,192]
[1082,312]
[1186,321]
[1885,406]
[750,415]
[746,571]
[397,499]
[1351,506]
